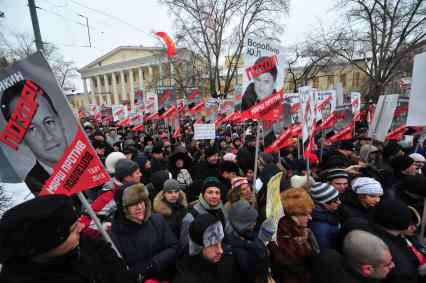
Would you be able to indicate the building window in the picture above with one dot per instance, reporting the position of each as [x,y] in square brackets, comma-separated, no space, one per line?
[330,80]
[343,80]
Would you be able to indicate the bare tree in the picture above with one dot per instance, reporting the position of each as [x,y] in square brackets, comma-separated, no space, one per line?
[217,28]
[5,200]
[18,46]
[384,33]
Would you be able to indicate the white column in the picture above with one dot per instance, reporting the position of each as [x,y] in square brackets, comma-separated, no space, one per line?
[98,83]
[132,87]
[161,73]
[123,86]
[141,81]
[150,74]
[108,94]
[114,85]
[92,90]
[86,93]
[172,74]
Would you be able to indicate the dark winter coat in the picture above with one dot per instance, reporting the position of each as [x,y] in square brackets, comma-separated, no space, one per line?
[245,157]
[202,171]
[149,242]
[352,207]
[250,252]
[406,263]
[173,213]
[331,267]
[92,261]
[159,164]
[197,269]
[293,252]
[325,226]
[336,160]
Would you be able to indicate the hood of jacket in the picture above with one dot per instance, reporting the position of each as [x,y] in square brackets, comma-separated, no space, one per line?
[162,207]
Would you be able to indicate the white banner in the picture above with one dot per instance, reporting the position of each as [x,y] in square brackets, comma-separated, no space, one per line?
[356,105]
[416,109]
[204,131]
[383,116]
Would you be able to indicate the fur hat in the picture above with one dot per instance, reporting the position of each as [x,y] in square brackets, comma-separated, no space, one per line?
[211,150]
[297,181]
[134,194]
[112,159]
[296,201]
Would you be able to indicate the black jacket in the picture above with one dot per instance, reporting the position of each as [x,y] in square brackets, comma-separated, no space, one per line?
[336,160]
[150,242]
[245,157]
[197,269]
[331,267]
[352,207]
[92,261]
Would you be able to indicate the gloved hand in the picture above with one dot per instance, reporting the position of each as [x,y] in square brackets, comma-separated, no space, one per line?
[267,229]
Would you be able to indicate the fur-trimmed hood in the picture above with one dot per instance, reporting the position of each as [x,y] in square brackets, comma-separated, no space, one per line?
[160,205]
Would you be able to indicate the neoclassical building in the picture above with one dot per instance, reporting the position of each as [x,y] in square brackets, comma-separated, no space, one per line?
[116,76]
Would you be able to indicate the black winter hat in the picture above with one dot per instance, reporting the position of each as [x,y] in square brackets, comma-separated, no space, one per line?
[249,138]
[392,214]
[347,145]
[401,162]
[125,167]
[36,226]
[157,149]
[211,150]
[211,182]
[199,226]
[414,184]
[390,150]
[229,166]
[98,144]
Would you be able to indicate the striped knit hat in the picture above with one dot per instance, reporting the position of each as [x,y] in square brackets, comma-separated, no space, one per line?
[336,173]
[323,192]
[366,186]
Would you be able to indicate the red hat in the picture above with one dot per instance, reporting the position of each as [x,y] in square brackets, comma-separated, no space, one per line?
[313,158]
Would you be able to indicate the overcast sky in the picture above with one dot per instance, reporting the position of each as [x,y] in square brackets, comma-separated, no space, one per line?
[127,22]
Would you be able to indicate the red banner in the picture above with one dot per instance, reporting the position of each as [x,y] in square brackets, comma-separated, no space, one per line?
[171,112]
[177,132]
[79,169]
[197,108]
[344,134]
[267,109]
[397,133]
[283,140]
[171,47]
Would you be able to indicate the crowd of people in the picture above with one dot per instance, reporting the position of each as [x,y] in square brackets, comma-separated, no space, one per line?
[185,210]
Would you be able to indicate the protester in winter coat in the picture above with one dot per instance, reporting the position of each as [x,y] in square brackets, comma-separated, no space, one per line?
[125,172]
[246,153]
[241,190]
[229,171]
[325,220]
[171,203]
[144,239]
[412,192]
[366,259]
[338,178]
[402,166]
[384,168]
[41,242]
[295,246]
[341,156]
[419,160]
[249,251]
[113,137]
[158,162]
[365,194]
[206,259]
[390,219]
[209,203]
[180,165]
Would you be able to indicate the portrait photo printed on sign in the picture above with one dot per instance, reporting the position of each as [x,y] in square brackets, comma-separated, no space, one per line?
[326,105]
[193,96]
[166,98]
[356,105]
[238,95]
[41,143]
[307,104]
[342,124]
[264,63]
[212,108]
[119,112]
[398,124]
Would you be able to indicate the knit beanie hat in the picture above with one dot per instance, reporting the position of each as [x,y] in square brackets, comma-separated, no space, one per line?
[391,149]
[229,157]
[296,201]
[238,181]
[366,186]
[417,157]
[112,159]
[36,226]
[323,192]
[401,162]
[392,214]
[205,231]
[125,167]
[230,167]
[414,184]
[297,181]
[242,215]
[157,149]
[336,173]
[171,184]
[211,182]
[211,150]
[346,145]
[250,138]
[266,158]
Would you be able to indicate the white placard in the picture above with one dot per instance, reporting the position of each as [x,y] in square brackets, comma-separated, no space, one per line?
[204,131]
[383,116]
[416,108]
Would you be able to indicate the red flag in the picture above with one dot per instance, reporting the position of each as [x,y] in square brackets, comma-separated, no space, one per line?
[171,112]
[171,47]
[177,132]
[283,140]
[124,122]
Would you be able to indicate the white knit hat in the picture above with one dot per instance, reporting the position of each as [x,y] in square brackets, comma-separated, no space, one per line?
[229,157]
[366,186]
[112,159]
[417,157]
[297,181]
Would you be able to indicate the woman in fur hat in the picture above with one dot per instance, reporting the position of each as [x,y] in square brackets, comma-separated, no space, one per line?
[295,245]
[144,239]
[171,203]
